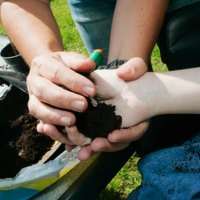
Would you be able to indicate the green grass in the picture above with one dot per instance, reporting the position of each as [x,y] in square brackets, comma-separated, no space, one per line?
[128,177]
[71,39]
[157,64]
[123,183]
[2,32]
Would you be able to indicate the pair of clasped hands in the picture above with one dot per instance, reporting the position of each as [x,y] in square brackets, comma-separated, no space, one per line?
[51,104]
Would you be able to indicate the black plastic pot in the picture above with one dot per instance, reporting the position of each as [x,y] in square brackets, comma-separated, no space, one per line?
[16,62]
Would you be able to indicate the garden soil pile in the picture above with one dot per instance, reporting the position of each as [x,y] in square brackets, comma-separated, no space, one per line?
[20,144]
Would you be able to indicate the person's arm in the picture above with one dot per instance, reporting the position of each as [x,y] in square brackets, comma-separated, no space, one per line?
[155,93]
[32,28]
[136,25]
[175,92]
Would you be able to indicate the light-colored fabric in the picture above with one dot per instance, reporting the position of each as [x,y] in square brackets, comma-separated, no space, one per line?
[93,19]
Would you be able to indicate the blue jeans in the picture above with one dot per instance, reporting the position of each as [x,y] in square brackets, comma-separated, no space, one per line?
[93,19]
[170,174]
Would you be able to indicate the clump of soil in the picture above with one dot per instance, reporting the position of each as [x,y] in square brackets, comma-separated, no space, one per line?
[98,120]
[20,144]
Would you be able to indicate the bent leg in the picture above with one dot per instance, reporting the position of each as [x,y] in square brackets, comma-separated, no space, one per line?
[170,174]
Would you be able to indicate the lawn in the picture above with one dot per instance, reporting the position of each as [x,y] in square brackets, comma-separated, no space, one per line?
[128,177]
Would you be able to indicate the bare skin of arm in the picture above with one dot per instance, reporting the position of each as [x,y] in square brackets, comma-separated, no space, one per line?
[135,28]
[31,27]
[37,38]
[155,93]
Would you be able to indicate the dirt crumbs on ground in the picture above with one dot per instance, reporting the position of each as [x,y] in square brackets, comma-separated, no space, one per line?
[20,144]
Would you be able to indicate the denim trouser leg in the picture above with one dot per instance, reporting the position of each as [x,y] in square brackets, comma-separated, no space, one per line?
[93,19]
[171,174]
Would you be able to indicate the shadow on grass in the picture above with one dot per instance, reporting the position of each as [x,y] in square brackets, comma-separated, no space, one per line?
[110,194]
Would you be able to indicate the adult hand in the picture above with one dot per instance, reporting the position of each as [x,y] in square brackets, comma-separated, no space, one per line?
[118,139]
[51,103]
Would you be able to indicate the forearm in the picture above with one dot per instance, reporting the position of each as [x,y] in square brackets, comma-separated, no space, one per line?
[175,92]
[136,25]
[31,26]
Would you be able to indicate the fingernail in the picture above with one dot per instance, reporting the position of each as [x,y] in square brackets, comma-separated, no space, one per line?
[77,105]
[89,91]
[127,70]
[65,121]
[46,129]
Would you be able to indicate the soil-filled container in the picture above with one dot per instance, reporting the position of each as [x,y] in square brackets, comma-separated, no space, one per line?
[20,143]
[24,170]
[16,62]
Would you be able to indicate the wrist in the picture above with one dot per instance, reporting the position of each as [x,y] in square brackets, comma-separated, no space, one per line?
[116,64]
[149,85]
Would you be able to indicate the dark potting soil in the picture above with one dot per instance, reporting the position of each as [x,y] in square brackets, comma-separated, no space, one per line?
[20,144]
[98,120]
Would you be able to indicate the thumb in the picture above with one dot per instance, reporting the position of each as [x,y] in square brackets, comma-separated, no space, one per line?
[132,70]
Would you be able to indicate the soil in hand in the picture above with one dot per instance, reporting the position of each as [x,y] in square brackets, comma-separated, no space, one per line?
[98,120]
[20,144]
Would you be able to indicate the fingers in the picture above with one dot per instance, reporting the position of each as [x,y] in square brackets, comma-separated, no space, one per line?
[59,68]
[49,71]
[116,141]
[53,132]
[68,135]
[132,70]
[89,148]
[47,98]
[77,62]
[76,137]
[50,114]
[129,134]
[54,95]
[108,84]
[99,145]
[69,147]
[85,153]
[103,145]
